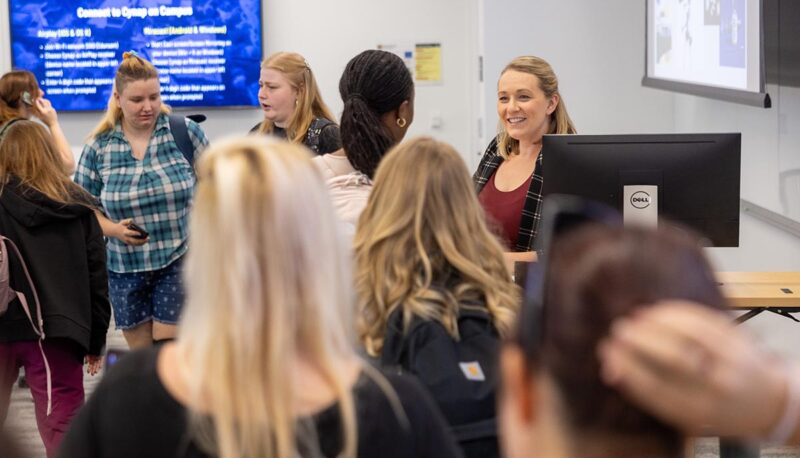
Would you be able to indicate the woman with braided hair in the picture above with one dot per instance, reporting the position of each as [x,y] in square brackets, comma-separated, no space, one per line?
[378,94]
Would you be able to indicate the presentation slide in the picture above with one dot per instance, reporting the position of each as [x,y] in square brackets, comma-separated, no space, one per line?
[708,42]
[207,51]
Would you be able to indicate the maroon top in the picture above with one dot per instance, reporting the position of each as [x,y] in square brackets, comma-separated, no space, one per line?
[504,209]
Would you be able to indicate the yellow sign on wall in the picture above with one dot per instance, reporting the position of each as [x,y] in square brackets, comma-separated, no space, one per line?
[429,62]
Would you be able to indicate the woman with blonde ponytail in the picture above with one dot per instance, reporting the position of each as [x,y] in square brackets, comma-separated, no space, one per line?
[433,289]
[509,176]
[264,364]
[293,106]
[144,181]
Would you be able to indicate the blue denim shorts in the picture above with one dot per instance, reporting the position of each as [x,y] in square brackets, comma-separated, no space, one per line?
[140,297]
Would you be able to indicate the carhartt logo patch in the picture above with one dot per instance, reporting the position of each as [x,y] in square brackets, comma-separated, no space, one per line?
[472,371]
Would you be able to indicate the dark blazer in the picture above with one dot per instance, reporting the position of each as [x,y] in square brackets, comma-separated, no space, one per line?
[65,252]
[532,209]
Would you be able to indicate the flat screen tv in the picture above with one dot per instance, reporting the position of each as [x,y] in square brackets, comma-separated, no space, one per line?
[207,51]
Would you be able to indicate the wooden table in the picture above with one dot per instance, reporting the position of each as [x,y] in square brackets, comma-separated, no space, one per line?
[757,292]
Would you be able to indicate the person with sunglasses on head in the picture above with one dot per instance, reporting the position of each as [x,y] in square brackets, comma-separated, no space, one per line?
[22,98]
[293,106]
[554,401]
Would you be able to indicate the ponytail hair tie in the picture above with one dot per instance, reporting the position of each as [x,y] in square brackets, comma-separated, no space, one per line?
[356,96]
[129,54]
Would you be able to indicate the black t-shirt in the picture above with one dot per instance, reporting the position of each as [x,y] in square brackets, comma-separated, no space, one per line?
[131,414]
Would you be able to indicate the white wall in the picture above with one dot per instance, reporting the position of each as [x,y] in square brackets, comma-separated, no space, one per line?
[328,34]
[597,52]
[338,30]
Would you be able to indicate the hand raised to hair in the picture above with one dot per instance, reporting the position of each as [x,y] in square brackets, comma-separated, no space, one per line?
[44,110]
[692,367]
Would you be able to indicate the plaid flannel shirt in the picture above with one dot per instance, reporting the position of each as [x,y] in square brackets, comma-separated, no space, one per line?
[155,191]
[531,211]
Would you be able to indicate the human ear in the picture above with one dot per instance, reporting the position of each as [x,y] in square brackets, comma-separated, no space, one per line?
[553,104]
[519,388]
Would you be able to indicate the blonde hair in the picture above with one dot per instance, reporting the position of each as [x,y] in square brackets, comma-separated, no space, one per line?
[560,122]
[268,283]
[422,244]
[27,152]
[133,68]
[309,100]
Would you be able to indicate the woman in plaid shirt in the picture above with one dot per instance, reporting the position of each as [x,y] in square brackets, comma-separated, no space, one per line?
[135,168]
[509,177]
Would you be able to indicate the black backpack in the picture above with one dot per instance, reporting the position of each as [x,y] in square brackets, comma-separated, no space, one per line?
[315,131]
[462,376]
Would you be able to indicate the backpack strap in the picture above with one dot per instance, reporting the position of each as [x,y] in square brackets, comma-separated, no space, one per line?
[38,324]
[177,125]
[5,127]
[315,132]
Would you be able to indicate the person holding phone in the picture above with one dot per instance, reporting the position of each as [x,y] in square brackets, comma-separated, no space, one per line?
[22,98]
[134,166]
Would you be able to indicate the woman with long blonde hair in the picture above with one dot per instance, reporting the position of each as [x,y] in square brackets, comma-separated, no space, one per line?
[263,365]
[293,106]
[429,272]
[60,269]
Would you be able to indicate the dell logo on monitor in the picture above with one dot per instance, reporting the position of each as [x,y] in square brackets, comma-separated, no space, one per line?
[640,200]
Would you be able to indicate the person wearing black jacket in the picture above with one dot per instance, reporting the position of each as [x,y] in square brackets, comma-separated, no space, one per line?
[435,295]
[52,223]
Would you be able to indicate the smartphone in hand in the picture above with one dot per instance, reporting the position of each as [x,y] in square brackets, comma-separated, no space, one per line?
[143,234]
[27,99]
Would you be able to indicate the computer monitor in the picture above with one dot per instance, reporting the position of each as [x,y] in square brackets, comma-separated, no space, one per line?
[692,179]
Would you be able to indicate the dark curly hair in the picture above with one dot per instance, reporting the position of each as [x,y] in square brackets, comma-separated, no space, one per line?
[373,83]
